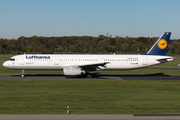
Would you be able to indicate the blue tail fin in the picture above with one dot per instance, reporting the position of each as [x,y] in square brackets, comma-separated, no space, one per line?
[161,45]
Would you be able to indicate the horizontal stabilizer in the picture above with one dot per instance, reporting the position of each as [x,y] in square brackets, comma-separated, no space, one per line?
[165,59]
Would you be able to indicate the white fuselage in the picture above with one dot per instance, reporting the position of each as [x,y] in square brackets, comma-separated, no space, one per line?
[58,62]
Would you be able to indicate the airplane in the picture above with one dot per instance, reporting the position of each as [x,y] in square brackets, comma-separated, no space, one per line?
[77,64]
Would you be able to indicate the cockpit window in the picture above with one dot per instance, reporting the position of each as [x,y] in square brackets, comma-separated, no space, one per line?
[11,59]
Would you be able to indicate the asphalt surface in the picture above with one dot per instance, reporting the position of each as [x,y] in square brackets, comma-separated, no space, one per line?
[4,58]
[87,117]
[98,77]
[177,68]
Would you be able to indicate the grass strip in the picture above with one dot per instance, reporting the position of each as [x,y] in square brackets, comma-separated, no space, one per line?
[89,97]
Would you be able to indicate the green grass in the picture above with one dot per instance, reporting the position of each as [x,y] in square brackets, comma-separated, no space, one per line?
[89,97]
[7,55]
[173,63]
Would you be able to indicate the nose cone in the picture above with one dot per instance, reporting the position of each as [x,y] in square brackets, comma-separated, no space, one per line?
[5,64]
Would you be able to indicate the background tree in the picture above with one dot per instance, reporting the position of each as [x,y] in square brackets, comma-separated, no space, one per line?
[82,44]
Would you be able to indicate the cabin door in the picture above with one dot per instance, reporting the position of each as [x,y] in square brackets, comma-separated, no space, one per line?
[56,61]
[100,60]
[145,61]
[22,61]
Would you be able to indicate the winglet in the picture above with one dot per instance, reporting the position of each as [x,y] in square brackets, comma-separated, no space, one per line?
[161,45]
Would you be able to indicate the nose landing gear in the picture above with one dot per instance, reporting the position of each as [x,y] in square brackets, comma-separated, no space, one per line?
[22,74]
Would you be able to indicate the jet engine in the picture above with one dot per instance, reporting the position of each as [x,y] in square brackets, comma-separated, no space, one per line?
[72,71]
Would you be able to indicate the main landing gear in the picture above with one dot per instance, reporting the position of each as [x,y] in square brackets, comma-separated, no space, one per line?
[88,75]
[22,73]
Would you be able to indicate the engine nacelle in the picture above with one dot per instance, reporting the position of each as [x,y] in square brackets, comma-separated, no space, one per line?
[72,71]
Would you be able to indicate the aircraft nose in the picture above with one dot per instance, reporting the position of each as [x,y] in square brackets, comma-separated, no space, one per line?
[5,64]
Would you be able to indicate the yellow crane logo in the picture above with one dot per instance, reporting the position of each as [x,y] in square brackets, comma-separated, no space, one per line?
[162,44]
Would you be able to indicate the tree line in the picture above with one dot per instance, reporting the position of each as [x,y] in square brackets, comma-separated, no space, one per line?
[82,45]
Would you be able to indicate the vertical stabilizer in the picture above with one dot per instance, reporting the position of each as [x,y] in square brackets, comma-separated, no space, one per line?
[161,45]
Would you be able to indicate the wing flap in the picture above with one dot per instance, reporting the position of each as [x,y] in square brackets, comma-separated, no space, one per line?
[93,66]
[89,66]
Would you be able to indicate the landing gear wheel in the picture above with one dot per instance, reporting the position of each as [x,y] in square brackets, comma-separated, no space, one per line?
[88,76]
[22,74]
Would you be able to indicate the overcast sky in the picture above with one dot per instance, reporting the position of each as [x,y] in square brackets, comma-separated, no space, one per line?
[133,18]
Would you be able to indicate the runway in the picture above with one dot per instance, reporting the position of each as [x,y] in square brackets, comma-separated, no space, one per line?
[4,58]
[87,117]
[95,77]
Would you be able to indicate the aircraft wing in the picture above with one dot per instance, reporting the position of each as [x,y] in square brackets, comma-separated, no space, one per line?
[93,66]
